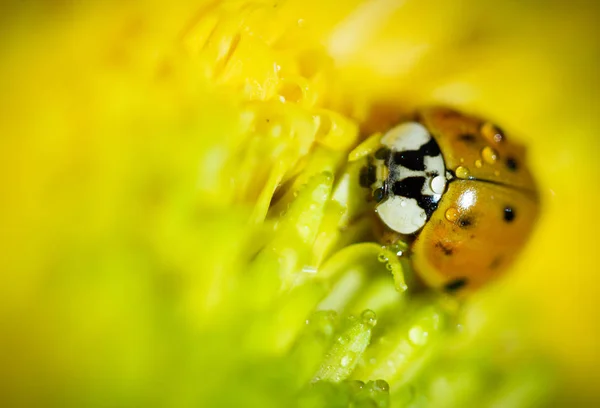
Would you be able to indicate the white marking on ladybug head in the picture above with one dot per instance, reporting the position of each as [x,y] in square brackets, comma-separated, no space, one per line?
[434,164]
[406,136]
[402,214]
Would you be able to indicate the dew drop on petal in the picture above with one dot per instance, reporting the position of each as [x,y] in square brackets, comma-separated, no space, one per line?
[381,385]
[343,339]
[418,336]
[356,385]
[369,317]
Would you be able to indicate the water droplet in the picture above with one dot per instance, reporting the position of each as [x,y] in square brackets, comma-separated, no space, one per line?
[356,385]
[329,176]
[381,385]
[462,172]
[478,164]
[382,257]
[462,159]
[452,214]
[418,336]
[489,155]
[369,317]
[345,361]
[397,249]
[389,267]
[492,132]
[343,339]
[438,184]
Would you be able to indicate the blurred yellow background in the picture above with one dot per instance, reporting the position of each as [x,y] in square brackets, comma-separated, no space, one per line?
[110,111]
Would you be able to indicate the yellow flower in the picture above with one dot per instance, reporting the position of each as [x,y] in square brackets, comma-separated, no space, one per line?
[176,224]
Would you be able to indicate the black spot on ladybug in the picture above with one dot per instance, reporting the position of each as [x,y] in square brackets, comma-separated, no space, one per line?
[445,248]
[367,176]
[465,221]
[496,262]
[430,148]
[379,194]
[428,204]
[467,138]
[455,285]
[415,159]
[412,187]
[382,153]
[509,214]
[511,164]
[412,160]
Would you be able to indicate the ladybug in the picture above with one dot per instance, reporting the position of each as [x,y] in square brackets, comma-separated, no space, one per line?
[455,188]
